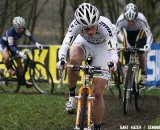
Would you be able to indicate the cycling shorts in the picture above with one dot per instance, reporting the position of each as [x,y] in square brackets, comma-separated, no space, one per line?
[99,53]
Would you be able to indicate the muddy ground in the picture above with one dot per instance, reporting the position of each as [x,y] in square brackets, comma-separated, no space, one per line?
[115,120]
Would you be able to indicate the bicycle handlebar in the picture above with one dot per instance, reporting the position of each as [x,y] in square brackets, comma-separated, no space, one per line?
[131,49]
[86,68]
[26,52]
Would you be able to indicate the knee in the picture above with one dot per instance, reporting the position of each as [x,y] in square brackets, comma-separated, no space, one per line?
[75,59]
[98,95]
[6,58]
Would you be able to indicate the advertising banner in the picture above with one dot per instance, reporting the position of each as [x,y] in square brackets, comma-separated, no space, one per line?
[48,57]
[153,66]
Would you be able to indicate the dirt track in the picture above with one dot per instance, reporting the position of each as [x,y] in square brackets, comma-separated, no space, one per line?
[114,118]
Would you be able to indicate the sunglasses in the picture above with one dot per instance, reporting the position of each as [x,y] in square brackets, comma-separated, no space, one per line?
[20,28]
[89,28]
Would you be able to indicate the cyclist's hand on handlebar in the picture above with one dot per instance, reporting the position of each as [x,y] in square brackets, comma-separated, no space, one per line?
[112,66]
[21,54]
[61,63]
[39,46]
[147,47]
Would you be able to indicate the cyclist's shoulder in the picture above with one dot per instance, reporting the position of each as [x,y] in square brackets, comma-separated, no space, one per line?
[120,20]
[103,19]
[27,32]
[11,31]
[74,27]
[141,17]
[104,23]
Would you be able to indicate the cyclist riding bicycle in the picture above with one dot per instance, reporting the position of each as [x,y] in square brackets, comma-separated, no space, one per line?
[138,34]
[89,34]
[8,44]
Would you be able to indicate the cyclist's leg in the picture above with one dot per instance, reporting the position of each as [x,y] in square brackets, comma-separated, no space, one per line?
[101,58]
[142,58]
[99,105]
[20,67]
[21,74]
[5,52]
[76,56]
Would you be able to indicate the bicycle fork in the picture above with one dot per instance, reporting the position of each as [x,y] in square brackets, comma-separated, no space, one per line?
[90,99]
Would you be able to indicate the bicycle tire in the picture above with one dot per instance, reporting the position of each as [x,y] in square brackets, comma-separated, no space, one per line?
[83,115]
[42,81]
[9,84]
[116,89]
[139,97]
[127,93]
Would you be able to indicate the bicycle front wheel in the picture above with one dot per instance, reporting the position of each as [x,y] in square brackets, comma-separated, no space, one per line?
[83,113]
[116,89]
[127,90]
[139,97]
[41,78]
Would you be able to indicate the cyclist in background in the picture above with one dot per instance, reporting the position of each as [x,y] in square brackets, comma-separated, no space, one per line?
[89,34]
[118,34]
[8,44]
[138,34]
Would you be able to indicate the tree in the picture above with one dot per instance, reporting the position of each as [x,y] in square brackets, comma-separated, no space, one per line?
[27,9]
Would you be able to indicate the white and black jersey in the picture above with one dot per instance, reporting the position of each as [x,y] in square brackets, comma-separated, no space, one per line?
[133,31]
[103,33]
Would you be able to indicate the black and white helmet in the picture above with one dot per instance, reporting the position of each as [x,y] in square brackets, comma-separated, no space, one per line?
[19,22]
[87,15]
[130,12]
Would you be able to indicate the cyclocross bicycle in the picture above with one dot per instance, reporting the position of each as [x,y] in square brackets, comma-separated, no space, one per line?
[85,98]
[38,74]
[132,87]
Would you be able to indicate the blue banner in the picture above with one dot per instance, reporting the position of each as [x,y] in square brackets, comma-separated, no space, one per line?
[153,66]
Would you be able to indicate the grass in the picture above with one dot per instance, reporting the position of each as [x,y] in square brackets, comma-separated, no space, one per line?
[156,121]
[39,112]
[32,112]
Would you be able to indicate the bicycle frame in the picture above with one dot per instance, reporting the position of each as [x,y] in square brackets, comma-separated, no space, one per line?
[90,99]
[85,93]
[135,64]
[131,85]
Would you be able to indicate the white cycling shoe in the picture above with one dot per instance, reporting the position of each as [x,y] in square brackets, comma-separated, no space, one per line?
[71,105]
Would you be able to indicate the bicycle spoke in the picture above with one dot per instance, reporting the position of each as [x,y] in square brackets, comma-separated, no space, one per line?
[41,78]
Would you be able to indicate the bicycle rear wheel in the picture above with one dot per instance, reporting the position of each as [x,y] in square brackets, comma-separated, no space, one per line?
[41,78]
[83,113]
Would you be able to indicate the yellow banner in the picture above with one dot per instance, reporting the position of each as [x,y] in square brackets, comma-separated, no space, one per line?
[48,57]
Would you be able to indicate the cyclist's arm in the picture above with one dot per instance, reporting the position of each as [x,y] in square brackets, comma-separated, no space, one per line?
[149,36]
[29,35]
[146,28]
[73,30]
[118,33]
[107,32]
[67,42]
[112,49]
[11,41]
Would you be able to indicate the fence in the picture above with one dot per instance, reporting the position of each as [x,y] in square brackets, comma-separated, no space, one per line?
[49,58]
